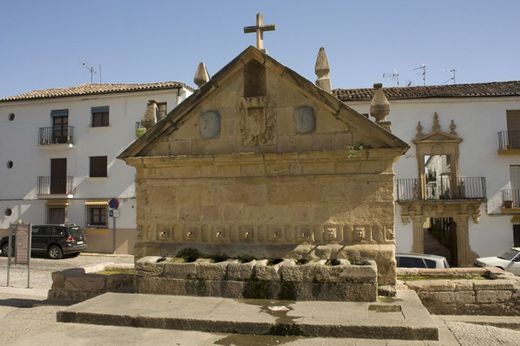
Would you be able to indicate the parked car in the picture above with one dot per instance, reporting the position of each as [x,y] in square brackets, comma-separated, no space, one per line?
[412,260]
[508,261]
[53,240]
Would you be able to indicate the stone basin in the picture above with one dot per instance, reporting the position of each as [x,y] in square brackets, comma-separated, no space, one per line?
[289,279]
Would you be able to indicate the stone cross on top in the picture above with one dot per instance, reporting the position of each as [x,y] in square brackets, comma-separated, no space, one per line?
[259,29]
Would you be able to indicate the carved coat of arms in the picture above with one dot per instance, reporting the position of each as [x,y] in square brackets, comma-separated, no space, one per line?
[257,119]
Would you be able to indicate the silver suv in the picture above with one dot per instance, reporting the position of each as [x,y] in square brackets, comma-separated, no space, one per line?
[413,260]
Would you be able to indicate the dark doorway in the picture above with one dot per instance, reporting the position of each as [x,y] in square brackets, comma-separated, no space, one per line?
[60,127]
[516,235]
[58,176]
[56,215]
[441,239]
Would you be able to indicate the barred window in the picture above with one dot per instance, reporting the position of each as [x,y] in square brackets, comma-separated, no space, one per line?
[97,216]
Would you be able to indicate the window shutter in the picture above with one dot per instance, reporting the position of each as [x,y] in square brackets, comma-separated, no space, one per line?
[98,166]
[513,120]
[60,113]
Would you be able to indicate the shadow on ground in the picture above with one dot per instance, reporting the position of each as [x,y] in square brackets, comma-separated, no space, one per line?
[30,303]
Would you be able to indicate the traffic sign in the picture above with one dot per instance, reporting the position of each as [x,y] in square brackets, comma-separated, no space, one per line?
[113,203]
[113,213]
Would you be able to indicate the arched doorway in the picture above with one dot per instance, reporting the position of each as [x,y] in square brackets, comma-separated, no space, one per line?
[440,238]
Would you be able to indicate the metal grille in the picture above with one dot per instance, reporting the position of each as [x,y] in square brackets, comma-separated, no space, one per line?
[55,185]
[441,188]
[52,135]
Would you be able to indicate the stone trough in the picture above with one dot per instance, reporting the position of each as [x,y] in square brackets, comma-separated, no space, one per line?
[288,279]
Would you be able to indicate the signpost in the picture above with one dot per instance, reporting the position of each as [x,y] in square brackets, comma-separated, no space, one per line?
[113,212]
[21,235]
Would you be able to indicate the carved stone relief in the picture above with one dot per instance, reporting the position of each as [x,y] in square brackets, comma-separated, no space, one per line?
[257,119]
[209,124]
[359,234]
[284,234]
[304,119]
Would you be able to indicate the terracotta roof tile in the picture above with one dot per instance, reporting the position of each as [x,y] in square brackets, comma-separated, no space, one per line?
[491,89]
[93,89]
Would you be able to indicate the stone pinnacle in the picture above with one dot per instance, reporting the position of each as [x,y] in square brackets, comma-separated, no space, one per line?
[322,70]
[379,106]
[201,75]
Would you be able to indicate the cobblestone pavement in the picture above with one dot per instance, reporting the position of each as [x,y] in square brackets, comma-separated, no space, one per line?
[41,268]
[29,320]
[477,335]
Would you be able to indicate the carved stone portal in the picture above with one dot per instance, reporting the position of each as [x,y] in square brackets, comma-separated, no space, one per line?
[459,210]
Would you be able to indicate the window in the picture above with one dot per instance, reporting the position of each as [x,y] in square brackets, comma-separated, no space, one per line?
[100,116]
[58,231]
[41,230]
[430,263]
[98,166]
[55,214]
[161,110]
[410,262]
[513,128]
[60,126]
[97,216]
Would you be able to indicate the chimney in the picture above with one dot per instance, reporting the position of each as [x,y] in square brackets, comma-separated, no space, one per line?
[201,75]
[322,70]
[380,107]
[149,118]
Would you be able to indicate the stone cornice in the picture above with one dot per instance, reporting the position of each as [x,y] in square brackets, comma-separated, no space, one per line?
[265,158]
[422,209]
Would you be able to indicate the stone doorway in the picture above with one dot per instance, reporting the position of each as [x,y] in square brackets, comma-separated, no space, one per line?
[441,239]
[421,212]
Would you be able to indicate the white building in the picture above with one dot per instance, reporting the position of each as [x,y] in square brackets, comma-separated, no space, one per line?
[460,180]
[58,150]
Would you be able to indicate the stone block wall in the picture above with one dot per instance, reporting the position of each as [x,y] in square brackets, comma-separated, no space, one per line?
[496,293]
[259,279]
[248,211]
[79,284]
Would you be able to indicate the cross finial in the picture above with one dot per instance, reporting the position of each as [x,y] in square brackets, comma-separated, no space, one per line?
[259,29]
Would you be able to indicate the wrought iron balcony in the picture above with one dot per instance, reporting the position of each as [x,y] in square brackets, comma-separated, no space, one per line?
[509,141]
[55,185]
[54,135]
[441,188]
[510,198]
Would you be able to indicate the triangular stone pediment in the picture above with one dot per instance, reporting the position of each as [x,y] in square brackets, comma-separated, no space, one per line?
[256,104]
[438,136]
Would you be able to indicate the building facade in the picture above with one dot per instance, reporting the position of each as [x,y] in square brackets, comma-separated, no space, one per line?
[58,150]
[459,183]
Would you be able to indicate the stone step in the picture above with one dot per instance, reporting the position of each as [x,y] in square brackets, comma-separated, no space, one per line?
[402,317]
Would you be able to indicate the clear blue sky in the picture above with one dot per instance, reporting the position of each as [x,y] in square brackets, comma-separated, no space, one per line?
[42,43]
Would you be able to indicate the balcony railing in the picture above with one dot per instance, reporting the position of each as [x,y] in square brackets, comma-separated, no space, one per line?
[53,135]
[508,140]
[511,198]
[55,185]
[441,188]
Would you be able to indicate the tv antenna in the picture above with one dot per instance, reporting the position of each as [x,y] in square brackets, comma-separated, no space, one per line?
[423,68]
[453,74]
[393,76]
[92,71]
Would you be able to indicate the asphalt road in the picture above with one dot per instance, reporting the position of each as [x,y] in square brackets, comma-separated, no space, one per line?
[41,268]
